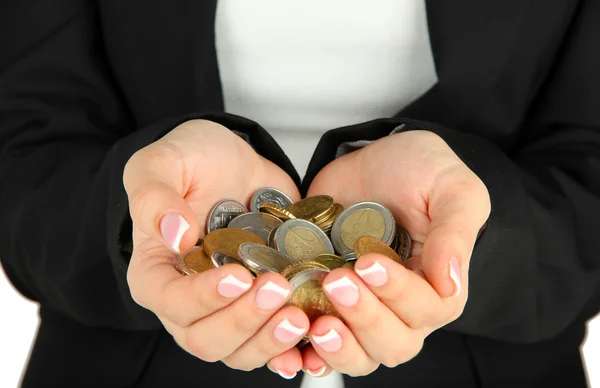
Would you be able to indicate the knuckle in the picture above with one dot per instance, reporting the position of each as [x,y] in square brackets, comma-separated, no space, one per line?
[402,354]
[244,323]
[203,295]
[197,346]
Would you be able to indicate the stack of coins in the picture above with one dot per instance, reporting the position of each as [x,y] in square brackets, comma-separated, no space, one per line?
[302,241]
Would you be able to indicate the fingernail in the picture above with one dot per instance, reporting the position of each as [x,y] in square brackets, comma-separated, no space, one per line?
[232,287]
[286,332]
[286,375]
[344,291]
[271,296]
[318,372]
[172,228]
[455,275]
[330,342]
[375,275]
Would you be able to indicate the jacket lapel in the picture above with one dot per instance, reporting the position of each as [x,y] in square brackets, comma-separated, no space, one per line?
[471,41]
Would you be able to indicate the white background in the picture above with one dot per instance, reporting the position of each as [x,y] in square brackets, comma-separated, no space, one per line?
[18,323]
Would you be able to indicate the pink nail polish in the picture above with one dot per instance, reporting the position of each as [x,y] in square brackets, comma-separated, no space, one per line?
[375,275]
[232,287]
[343,291]
[330,342]
[455,275]
[286,332]
[271,296]
[318,372]
[172,227]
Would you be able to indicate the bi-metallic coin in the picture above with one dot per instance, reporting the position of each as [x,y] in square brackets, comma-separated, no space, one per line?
[302,240]
[258,223]
[308,294]
[262,259]
[362,219]
[219,259]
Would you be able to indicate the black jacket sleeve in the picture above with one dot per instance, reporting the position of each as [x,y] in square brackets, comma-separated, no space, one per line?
[65,137]
[536,268]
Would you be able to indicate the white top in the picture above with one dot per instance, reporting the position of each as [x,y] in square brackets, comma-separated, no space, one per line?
[301,68]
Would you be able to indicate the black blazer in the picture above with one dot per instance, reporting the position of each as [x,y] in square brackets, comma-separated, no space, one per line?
[85,84]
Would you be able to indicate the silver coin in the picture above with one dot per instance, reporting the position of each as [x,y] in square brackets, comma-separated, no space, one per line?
[258,223]
[222,213]
[350,256]
[404,243]
[302,240]
[271,237]
[363,218]
[219,259]
[261,259]
[271,195]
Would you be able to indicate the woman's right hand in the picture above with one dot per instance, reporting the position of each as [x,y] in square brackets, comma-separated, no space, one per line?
[221,314]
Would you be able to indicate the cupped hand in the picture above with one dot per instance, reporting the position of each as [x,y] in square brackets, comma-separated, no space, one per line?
[389,309]
[222,314]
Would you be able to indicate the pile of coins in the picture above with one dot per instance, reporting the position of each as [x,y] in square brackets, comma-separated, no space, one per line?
[302,241]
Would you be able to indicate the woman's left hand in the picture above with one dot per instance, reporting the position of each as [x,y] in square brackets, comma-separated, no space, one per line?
[389,309]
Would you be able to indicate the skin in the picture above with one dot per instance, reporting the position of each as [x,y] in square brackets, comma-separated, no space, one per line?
[432,193]
[442,204]
[183,173]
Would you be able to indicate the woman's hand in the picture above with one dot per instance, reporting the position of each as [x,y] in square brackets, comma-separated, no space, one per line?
[388,309]
[221,314]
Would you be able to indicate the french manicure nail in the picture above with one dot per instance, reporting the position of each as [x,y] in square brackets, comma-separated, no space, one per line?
[455,275]
[375,275]
[286,375]
[317,373]
[172,228]
[329,342]
[286,332]
[344,291]
[232,287]
[271,296]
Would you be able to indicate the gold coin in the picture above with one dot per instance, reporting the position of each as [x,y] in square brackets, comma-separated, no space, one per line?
[327,223]
[363,222]
[312,208]
[276,210]
[198,261]
[228,241]
[308,294]
[299,266]
[368,244]
[330,261]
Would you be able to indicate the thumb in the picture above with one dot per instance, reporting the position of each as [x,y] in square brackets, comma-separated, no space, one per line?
[457,211]
[158,209]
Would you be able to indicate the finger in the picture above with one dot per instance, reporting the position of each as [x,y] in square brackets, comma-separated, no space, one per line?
[383,336]
[407,294]
[155,284]
[280,333]
[459,207]
[336,344]
[156,199]
[313,364]
[220,334]
[286,364]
